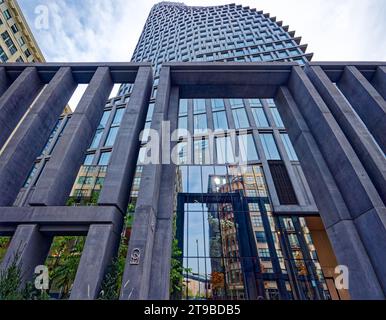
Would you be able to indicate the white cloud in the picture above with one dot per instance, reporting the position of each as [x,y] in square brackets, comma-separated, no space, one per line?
[108,30]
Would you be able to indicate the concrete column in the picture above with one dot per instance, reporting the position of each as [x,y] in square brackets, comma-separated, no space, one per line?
[31,247]
[162,250]
[16,100]
[344,237]
[361,197]
[58,177]
[4,81]
[379,81]
[30,138]
[360,139]
[101,246]
[121,171]
[137,275]
[366,101]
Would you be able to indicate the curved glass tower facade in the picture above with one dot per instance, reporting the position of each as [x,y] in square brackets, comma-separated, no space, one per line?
[176,32]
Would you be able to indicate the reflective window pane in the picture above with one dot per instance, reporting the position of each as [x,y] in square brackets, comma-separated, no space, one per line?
[111,137]
[183,109]
[225,150]
[89,159]
[270,148]
[289,147]
[97,139]
[240,118]
[200,124]
[218,105]
[276,116]
[220,121]
[104,159]
[260,117]
[118,116]
[247,148]
[236,103]
[199,106]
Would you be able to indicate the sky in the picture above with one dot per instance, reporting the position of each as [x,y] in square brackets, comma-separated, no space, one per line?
[108,30]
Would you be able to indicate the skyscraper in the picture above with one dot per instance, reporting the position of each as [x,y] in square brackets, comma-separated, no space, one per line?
[233,217]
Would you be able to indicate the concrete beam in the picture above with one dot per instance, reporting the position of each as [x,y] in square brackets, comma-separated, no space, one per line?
[344,237]
[30,247]
[121,171]
[136,277]
[16,99]
[366,101]
[360,139]
[55,183]
[59,216]
[101,246]
[4,81]
[379,81]
[163,238]
[358,191]
[30,138]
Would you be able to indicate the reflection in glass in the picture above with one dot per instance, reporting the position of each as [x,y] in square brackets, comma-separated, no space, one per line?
[225,150]
[270,148]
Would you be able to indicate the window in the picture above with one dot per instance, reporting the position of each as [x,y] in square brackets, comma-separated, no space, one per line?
[225,150]
[99,133]
[104,159]
[264,254]
[183,123]
[220,121]
[118,116]
[14,28]
[218,105]
[27,53]
[9,42]
[247,148]
[89,159]
[240,118]
[270,148]
[21,41]
[97,139]
[276,116]
[201,152]
[31,175]
[199,106]
[7,14]
[236,103]
[111,137]
[260,237]
[260,117]
[200,124]
[289,147]
[257,221]
[183,109]
[3,55]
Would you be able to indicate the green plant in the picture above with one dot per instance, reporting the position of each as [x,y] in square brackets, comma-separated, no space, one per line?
[11,285]
[63,262]
[31,293]
[10,280]
[111,284]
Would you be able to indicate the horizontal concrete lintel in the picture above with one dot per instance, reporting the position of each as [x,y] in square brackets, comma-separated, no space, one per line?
[334,70]
[59,216]
[186,66]
[296,210]
[121,72]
